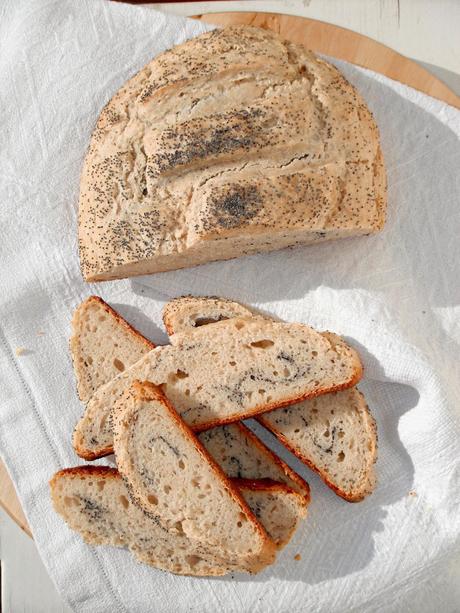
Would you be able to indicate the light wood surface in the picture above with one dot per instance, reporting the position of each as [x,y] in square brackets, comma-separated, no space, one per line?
[322,38]
[345,45]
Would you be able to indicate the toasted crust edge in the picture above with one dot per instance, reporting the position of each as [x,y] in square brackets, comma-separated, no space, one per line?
[288,471]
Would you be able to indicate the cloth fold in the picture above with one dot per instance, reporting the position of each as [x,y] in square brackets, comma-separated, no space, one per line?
[394,296]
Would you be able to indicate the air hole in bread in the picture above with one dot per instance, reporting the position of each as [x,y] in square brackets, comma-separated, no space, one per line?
[101,318]
[152,499]
[187,392]
[327,433]
[239,325]
[263,344]
[204,321]
[314,353]
[341,457]
[192,560]
[195,483]
[249,395]
[70,501]
[275,373]
[100,485]
[178,527]
[239,524]
[352,444]
[261,392]
[243,517]
[286,372]
[268,399]
[181,374]
[181,464]
[296,431]
[118,364]
[232,363]
[340,434]
[89,359]
[167,489]
[124,501]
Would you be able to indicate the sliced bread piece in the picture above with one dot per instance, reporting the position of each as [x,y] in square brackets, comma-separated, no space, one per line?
[94,502]
[225,372]
[335,435]
[102,345]
[171,477]
[188,312]
[276,506]
[242,455]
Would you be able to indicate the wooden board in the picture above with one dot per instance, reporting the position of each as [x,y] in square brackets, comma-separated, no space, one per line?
[344,45]
[322,38]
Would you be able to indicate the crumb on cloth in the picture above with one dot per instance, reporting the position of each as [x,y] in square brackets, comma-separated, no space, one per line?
[297,557]
[20,350]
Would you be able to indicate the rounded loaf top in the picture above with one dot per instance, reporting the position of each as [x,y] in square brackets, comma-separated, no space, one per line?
[235,142]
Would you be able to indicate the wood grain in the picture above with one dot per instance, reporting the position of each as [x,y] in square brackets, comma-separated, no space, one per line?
[322,38]
[9,500]
[344,45]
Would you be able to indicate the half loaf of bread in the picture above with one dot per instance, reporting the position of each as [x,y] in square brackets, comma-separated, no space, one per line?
[233,143]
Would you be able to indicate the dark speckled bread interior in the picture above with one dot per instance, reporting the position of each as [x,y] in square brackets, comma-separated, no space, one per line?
[235,142]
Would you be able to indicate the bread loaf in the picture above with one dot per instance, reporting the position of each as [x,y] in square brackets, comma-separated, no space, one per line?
[235,142]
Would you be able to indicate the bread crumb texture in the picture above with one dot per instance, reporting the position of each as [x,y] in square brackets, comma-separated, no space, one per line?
[232,143]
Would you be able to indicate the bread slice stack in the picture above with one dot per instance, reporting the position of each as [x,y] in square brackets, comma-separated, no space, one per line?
[190,496]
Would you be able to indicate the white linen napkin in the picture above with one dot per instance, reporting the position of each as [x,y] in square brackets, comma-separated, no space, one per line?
[395,296]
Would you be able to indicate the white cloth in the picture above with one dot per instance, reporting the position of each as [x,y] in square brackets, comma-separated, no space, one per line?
[395,296]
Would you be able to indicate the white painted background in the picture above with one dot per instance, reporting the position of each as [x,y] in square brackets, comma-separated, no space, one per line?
[425,30]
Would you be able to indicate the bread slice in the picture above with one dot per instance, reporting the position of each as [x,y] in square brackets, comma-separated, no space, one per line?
[243,456]
[276,506]
[334,434]
[189,312]
[102,345]
[235,142]
[225,372]
[94,502]
[172,478]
